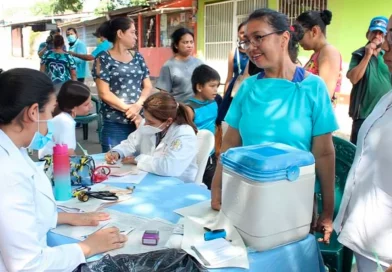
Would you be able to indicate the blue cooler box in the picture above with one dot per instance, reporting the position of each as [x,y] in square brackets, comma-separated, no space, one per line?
[267,193]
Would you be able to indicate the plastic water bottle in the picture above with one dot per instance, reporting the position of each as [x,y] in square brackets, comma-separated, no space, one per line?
[61,173]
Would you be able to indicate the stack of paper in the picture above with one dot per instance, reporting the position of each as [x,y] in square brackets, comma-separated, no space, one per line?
[123,173]
[123,221]
[201,213]
[134,244]
[199,216]
[216,251]
[134,178]
[78,232]
[123,170]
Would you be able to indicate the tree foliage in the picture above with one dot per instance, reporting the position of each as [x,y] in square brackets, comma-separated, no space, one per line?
[42,8]
[60,6]
[52,7]
[108,5]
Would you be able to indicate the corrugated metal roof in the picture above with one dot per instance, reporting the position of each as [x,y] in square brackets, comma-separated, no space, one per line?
[47,19]
[128,10]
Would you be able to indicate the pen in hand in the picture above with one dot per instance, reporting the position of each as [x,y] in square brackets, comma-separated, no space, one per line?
[111,152]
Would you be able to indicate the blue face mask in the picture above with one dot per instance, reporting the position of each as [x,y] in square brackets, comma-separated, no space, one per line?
[71,38]
[39,141]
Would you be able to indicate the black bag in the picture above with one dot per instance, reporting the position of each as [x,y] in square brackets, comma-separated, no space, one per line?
[166,260]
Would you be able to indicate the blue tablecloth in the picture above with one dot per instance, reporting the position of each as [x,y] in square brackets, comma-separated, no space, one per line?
[158,196]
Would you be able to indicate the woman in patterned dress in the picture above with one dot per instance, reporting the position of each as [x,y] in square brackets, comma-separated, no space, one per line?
[123,83]
[58,64]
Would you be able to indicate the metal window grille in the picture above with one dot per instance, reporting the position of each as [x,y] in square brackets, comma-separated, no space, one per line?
[220,36]
[293,8]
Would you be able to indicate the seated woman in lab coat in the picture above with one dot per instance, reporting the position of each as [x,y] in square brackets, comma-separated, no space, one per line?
[165,143]
[74,99]
[27,207]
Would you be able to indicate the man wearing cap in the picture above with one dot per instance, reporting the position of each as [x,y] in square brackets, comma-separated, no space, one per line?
[369,75]
[48,44]
[103,43]
[387,46]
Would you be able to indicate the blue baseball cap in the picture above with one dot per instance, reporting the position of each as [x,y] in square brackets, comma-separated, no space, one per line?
[379,23]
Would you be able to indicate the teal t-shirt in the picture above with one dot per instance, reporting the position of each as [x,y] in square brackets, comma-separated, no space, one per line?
[206,113]
[58,66]
[102,47]
[282,111]
[81,65]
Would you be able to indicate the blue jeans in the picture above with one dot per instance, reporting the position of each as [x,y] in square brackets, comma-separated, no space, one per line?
[114,133]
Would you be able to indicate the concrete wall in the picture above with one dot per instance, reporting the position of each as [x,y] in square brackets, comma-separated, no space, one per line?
[6,45]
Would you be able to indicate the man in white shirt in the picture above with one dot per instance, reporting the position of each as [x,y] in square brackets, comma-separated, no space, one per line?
[364,220]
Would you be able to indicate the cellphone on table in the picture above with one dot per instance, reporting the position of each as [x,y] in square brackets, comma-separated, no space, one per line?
[150,238]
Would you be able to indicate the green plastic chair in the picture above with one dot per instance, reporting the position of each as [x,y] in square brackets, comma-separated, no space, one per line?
[85,120]
[337,257]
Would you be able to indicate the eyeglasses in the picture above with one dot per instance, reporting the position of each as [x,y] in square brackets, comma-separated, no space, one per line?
[256,40]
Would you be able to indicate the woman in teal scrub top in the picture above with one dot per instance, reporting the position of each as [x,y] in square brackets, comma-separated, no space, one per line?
[284,104]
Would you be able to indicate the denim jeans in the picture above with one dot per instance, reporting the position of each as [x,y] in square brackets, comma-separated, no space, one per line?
[114,133]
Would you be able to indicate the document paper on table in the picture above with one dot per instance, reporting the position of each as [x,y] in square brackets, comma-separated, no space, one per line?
[123,221]
[124,173]
[134,244]
[78,232]
[217,251]
[194,235]
[200,212]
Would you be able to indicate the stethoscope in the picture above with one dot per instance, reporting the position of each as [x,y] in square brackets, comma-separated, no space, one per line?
[84,193]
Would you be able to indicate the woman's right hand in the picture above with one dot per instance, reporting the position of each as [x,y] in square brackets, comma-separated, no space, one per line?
[216,198]
[133,111]
[112,157]
[103,241]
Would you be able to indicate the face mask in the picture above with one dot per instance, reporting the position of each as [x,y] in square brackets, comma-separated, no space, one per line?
[71,38]
[150,130]
[39,141]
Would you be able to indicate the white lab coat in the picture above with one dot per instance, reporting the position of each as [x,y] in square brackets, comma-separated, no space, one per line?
[27,212]
[175,156]
[364,220]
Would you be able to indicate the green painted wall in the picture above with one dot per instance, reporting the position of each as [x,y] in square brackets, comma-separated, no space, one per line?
[272,4]
[200,25]
[200,21]
[350,21]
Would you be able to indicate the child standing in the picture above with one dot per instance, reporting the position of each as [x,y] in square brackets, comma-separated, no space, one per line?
[203,108]
[74,99]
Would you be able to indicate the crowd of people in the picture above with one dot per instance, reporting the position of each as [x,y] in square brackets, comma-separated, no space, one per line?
[268,97]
